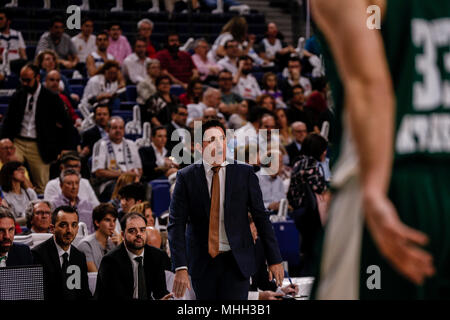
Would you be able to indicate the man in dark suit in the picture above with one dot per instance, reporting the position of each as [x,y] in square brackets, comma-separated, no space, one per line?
[179,118]
[11,254]
[65,268]
[133,270]
[217,248]
[38,124]
[299,132]
[92,135]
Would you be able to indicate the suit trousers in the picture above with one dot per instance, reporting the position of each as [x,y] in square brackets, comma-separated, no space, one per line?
[222,280]
[27,150]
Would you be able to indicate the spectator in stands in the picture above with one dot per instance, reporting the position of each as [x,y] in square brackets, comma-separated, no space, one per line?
[155,159]
[248,131]
[230,99]
[57,253]
[52,82]
[72,161]
[158,107]
[145,29]
[35,131]
[231,60]
[119,46]
[266,101]
[239,119]
[113,156]
[130,195]
[12,47]
[16,194]
[179,119]
[207,68]
[115,277]
[235,29]
[84,42]
[271,183]
[38,214]
[8,154]
[268,123]
[300,132]
[11,254]
[97,132]
[104,86]
[211,98]
[97,58]
[178,65]
[153,234]
[146,88]
[273,48]
[270,86]
[194,93]
[69,196]
[59,41]
[124,179]
[286,136]
[296,110]
[210,114]
[245,84]
[104,239]
[133,67]
[292,76]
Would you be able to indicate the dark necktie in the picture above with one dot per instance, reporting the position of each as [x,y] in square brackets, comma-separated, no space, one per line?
[142,288]
[30,103]
[65,263]
[213,236]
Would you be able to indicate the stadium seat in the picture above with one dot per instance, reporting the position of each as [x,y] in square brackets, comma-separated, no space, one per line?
[126,115]
[127,105]
[288,241]
[3,108]
[160,196]
[131,93]
[176,90]
[78,89]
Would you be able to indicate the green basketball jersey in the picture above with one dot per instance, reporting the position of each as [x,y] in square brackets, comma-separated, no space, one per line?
[416,36]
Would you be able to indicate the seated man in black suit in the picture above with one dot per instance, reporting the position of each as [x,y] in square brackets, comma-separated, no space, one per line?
[65,268]
[299,132]
[92,135]
[11,254]
[156,163]
[179,118]
[133,270]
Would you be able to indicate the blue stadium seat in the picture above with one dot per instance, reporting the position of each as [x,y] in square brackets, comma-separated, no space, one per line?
[288,241]
[126,115]
[3,108]
[78,89]
[160,196]
[131,93]
[77,81]
[127,105]
[4,99]
[67,73]
[176,90]
[31,50]
[133,137]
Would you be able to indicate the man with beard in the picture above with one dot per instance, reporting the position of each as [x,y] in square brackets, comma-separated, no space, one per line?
[178,65]
[11,254]
[35,121]
[246,85]
[133,270]
[65,270]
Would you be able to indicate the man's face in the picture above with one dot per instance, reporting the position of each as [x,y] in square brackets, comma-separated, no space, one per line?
[115,32]
[140,48]
[40,221]
[268,123]
[272,30]
[65,228]
[70,186]
[29,80]
[300,132]
[202,49]
[7,230]
[268,104]
[87,28]
[127,203]
[173,41]
[294,66]
[145,30]
[213,99]
[102,42]
[232,49]
[225,81]
[154,70]
[248,66]
[57,30]
[52,81]
[180,117]
[209,114]
[116,130]
[7,150]
[160,138]
[3,22]
[101,116]
[135,235]
[112,74]
[297,96]
[107,225]
[72,164]
[214,146]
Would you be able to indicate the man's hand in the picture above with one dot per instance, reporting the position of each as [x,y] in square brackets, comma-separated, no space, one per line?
[291,289]
[270,295]
[116,238]
[181,283]
[274,206]
[397,242]
[167,297]
[276,271]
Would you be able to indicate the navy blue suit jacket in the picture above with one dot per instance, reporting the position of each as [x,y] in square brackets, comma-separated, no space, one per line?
[19,255]
[189,219]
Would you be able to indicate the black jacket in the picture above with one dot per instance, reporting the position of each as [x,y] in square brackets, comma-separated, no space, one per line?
[260,280]
[19,255]
[293,152]
[115,275]
[149,166]
[46,255]
[90,137]
[53,124]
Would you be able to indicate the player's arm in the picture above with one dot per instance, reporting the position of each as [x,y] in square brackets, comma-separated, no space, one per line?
[369,100]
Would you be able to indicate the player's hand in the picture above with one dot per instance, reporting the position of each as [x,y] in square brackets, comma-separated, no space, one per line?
[276,271]
[181,283]
[167,297]
[291,289]
[270,295]
[397,242]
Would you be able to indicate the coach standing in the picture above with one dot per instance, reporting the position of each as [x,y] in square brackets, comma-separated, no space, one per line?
[212,199]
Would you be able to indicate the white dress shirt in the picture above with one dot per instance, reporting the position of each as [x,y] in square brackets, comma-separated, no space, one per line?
[247,87]
[134,68]
[84,48]
[160,156]
[227,64]
[135,265]
[28,128]
[224,245]
[61,252]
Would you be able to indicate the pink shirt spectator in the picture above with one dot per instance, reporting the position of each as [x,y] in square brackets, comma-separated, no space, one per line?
[120,49]
[203,67]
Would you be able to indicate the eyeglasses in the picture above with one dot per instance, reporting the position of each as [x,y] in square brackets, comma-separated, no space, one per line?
[41,213]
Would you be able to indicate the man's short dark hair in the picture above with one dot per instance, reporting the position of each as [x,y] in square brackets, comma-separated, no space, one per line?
[177,107]
[33,68]
[128,216]
[228,42]
[161,78]
[245,58]
[102,33]
[155,130]
[114,23]
[6,12]
[295,59]
[101,211]
[86,19]
[6,213]
[70,156]
[224,71]
[171,34]
[140,39]
[211,124]
[66,209]
[256,114]
[297,86]
[134,191]
[56,19]
[102,106]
